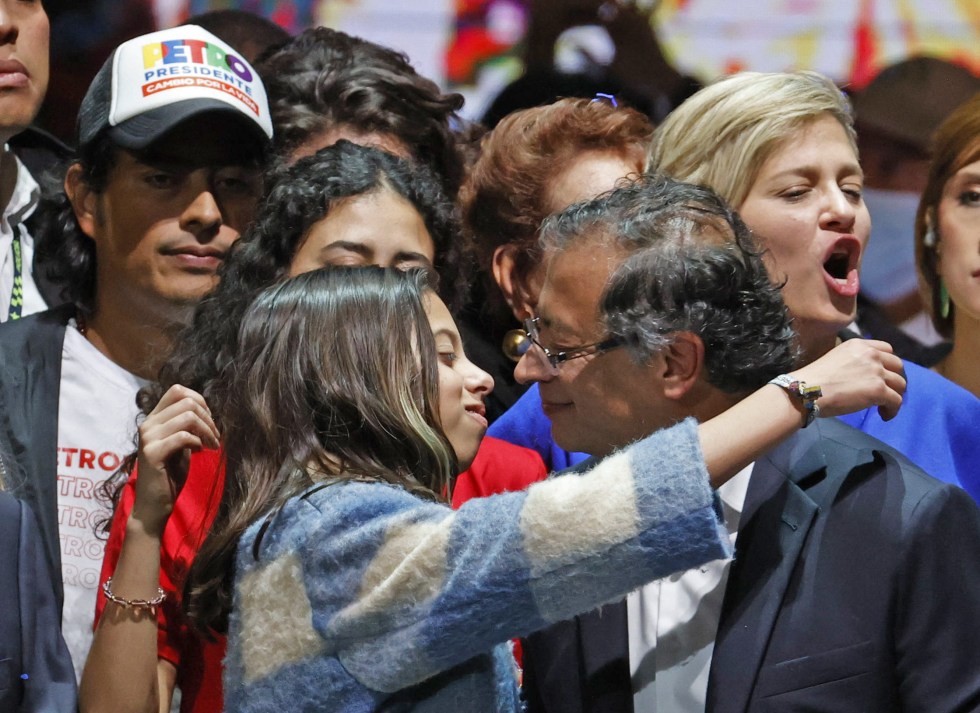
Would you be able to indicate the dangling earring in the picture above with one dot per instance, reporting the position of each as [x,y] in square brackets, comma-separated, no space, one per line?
[943,300]
[929,239]
[515,344]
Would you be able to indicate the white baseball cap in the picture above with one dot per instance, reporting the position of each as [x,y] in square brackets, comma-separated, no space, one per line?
[154,82]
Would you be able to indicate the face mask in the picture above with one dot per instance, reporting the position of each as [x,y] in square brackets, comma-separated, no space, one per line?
[888,265]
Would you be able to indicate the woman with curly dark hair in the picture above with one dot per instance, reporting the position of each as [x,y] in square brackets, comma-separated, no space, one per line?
[347,204]
[344,205]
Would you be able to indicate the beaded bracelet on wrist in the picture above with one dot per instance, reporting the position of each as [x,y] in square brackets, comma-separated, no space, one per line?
[806,394]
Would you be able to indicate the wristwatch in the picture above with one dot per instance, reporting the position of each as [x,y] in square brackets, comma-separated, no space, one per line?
[807,394]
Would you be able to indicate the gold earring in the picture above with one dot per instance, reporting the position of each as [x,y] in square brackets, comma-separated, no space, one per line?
[515,344]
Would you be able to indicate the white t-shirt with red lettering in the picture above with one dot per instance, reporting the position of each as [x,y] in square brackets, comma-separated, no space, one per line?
[96,430]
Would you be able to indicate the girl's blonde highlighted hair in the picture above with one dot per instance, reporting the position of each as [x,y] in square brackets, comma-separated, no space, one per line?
[336,379]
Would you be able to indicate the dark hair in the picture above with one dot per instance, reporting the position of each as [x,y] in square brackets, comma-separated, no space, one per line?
[692,266]
[68,254]
[543,85]
[247,32]
[311,399]
[297,197]
[324,78]
[506,193]
[956,144]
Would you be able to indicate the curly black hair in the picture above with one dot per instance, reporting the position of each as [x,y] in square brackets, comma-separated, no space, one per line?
[324,78]
[298,196]
[691,266]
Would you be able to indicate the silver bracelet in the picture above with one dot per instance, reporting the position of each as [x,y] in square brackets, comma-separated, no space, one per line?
[138,604]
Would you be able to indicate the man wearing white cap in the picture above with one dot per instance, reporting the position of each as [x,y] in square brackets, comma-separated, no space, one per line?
[172,135]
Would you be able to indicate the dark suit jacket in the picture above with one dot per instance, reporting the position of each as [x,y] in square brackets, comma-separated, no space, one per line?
[36,673]
[30,385]
[855,587]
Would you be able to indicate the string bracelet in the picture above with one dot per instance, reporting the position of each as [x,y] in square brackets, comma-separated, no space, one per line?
[149,605]
[805,394]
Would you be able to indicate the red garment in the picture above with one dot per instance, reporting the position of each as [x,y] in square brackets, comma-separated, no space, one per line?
[197,660]
[498,467]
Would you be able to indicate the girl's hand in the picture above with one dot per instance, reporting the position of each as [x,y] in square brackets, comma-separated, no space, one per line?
[179,424]
[855,375]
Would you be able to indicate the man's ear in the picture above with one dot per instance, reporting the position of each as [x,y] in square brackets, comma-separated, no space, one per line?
[683,363]
[84,201]
[504,267]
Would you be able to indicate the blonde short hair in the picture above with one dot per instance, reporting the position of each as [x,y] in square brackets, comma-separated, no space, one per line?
[721,136]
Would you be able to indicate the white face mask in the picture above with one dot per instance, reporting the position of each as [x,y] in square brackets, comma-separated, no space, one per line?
[888,265]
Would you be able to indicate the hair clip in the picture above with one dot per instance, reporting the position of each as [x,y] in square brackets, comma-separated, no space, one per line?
[599,96]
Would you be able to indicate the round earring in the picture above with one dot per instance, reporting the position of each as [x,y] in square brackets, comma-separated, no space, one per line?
[929,239]
[515,344]
[943,300]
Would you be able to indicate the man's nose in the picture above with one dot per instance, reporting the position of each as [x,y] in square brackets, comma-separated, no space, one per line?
[534,366]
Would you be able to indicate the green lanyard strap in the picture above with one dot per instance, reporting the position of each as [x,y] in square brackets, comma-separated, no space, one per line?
[17,291]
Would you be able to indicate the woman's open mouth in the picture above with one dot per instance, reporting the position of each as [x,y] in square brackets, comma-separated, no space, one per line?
[841,266]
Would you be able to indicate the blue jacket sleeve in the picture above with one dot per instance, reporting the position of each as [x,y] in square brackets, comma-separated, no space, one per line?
[400,589]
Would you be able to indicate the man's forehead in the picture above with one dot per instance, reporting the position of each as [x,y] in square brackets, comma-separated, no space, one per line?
[582,263]
[575,278]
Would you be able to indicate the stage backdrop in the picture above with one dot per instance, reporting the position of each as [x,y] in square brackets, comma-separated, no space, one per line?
[473,46]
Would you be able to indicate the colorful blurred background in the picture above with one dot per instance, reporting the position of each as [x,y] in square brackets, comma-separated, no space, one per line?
[478,46]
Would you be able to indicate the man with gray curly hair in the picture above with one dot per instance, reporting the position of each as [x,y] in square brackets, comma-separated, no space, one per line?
[656,306]
[669,271]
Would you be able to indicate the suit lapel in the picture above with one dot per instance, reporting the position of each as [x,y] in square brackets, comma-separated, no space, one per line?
[44,421]
[777,518]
